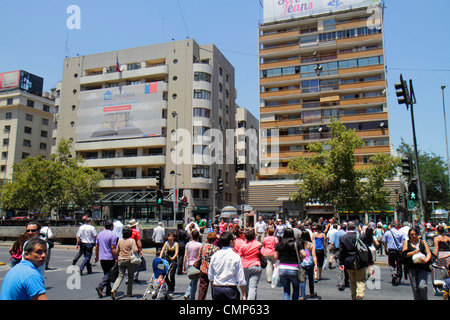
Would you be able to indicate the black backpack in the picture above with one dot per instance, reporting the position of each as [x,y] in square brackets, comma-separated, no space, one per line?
[362,252]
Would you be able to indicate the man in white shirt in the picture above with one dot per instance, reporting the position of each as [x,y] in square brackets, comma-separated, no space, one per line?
[86,236]
[260,229]
[47,235]
[226,271]
[158,237]
[118,227]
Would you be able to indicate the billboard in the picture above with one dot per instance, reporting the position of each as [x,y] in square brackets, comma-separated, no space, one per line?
[276,10]
[23,80]
[120,112]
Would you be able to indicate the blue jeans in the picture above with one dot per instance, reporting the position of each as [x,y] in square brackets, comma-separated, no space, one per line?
[288,277]
[310,274]
[192,288]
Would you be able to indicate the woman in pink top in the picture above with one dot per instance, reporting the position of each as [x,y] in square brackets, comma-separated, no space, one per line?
[268,251]
[249,252]
[223,226]
[240,239]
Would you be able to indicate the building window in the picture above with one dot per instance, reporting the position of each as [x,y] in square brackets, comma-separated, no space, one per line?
[10,101]
[202,76]
[200,172]
[26,143]
[25,155]
[43,146]
[27,130]
[4,155]
[5,142]
[7,128]
[202,94]
[8,115]
[30,103]
[44,134]
[46,108]
[29,117]
[202,112]
[44,122]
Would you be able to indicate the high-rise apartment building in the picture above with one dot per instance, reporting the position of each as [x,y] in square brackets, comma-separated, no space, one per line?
[125,110]
[26,119]
[320,60]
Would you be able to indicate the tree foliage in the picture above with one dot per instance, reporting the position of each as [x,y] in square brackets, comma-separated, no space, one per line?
[328,174]
[433,172]
[43,185]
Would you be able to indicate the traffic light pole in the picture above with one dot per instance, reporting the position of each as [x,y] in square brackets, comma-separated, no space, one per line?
[419,185]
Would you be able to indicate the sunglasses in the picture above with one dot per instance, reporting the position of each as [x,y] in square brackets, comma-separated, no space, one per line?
[32,230]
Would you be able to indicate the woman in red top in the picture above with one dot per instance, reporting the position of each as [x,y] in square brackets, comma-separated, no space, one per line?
[268,251]
[249,252]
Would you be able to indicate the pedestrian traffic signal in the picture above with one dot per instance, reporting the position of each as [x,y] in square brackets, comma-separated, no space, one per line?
[159,197]
[413,196]
[402,92]
[407,167]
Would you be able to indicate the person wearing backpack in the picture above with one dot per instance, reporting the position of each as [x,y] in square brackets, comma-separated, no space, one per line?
[354,262]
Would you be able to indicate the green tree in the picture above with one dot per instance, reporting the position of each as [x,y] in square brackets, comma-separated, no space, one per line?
[433,172]
[329,174]
[43,185]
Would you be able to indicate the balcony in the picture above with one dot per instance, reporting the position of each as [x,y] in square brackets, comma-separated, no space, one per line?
[160,70]
[128,183]
[154,160]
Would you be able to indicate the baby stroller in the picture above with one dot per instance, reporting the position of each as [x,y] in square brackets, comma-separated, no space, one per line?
[438,276]
[157,283]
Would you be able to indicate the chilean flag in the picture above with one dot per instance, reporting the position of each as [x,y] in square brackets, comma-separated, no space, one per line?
[118,65]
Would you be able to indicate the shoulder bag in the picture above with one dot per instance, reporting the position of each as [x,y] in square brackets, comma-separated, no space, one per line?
[262,259]
[301,275]
[134,258]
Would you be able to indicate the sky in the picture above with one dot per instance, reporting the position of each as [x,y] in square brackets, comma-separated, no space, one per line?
[35,37]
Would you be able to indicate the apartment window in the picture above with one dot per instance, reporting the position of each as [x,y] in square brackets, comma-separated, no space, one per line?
[25,155]
[202,94]
[130,152]
[30,103]
[200,172]
[4,155]
[44,134]
[7,128]
[10,101]
[108,154]
[43,146]
[133,66]
[5,142]
[44,122]
[29,117]
[202,112]
[46,108]
[129,173]
[8,115]
[202,76]
[3,168]
[26,143]
[329,24]
[27,130]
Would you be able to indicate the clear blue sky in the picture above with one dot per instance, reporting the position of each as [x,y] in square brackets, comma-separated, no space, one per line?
[34,34]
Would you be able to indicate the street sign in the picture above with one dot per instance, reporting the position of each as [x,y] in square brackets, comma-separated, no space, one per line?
[175,199]
[411,204]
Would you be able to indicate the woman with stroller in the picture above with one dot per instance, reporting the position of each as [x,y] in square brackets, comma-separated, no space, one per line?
[169,252]
[125,247]
[417,254]
[191,254]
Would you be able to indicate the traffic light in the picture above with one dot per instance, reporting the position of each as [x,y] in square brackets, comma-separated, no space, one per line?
[407,167]
[412,189]
[160,177]
[159,197]
[402,92]
[219,184]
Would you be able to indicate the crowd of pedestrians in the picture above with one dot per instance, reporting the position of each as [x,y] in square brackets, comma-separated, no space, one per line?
[228,260]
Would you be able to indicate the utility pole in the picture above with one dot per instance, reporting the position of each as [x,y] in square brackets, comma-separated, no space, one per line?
[406,96]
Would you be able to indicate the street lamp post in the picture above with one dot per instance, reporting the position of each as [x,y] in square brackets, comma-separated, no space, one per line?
[175,189]
[446,139]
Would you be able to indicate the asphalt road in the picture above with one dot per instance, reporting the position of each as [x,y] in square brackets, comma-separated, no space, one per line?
[61,284]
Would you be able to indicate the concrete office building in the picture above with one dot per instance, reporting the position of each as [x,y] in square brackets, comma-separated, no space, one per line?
[319,60]
[26,119]
[122,109]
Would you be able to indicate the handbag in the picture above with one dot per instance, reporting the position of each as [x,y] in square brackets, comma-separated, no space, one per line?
[134,258]
[262,259]
[193,273]
[301,275]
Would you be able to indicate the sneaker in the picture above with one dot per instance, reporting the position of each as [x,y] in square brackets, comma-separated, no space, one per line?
[99,292]
[113,295]
[186,297]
